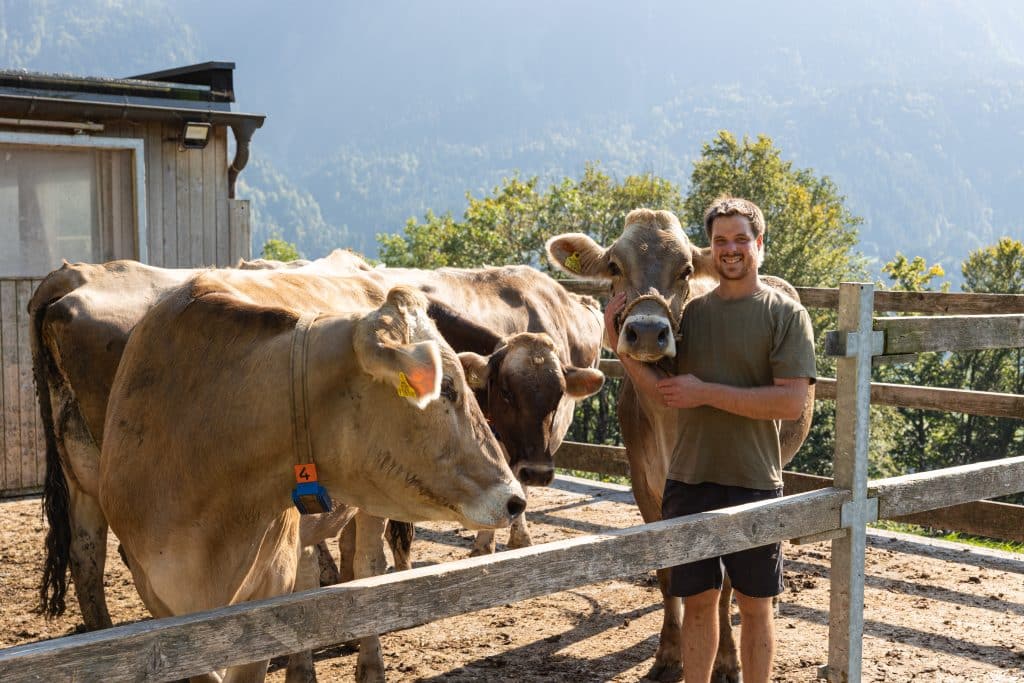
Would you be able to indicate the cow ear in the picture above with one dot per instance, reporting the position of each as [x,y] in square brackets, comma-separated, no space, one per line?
[476,368]
[583,382]
[703,262]
[579,255]
[414,370]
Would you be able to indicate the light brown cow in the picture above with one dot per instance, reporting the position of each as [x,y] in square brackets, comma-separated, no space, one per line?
[201,399]
[659,270]
[82,315]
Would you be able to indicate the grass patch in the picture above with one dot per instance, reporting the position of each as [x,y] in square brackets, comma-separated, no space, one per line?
[594,476]
[954,536]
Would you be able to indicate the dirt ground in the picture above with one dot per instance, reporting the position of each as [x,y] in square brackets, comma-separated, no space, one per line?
[935,611]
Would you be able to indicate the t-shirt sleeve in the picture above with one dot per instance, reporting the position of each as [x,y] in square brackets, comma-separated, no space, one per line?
[793,347]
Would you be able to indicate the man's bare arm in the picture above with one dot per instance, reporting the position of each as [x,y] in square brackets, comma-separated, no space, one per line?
[784,400]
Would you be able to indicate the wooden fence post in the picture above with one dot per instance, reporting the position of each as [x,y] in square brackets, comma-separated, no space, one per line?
[850,465]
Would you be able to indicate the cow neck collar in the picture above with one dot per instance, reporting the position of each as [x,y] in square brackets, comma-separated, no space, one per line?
[303,443]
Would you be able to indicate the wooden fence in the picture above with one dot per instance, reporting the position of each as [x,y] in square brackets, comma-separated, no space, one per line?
[175,648]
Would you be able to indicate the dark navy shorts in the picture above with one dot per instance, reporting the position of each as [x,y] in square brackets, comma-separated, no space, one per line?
[756,572]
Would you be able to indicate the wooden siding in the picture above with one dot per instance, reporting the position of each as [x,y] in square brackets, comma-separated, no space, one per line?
[22,464]
[189,222]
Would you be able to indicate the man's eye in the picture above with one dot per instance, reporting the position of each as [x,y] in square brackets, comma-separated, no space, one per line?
[448,389]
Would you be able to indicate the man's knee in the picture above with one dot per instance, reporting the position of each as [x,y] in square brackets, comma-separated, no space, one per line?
[703,602]
[753,607]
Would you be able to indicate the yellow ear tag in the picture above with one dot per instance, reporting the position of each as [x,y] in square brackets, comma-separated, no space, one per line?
[405,389]
[572,262]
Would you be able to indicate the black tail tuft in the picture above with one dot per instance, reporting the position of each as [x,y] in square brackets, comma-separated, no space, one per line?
[54,586]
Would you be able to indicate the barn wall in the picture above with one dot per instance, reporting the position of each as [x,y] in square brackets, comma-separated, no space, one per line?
[21,458]
[188,213]
[189,222]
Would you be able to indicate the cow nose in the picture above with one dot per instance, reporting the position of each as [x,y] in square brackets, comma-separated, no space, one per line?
[536,476]
[648,333]
[516,506]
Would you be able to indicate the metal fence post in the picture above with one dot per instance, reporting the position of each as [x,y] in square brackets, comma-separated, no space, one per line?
[850,466]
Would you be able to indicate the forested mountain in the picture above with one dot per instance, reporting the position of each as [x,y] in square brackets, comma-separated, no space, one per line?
[381,111]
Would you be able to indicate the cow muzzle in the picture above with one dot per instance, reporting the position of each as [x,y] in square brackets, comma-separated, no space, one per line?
[532,474]
[648,332]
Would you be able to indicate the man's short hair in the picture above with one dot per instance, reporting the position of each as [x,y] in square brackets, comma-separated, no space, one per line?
[734,206]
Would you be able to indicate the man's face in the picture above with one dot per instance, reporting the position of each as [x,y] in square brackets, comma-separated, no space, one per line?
[734,247]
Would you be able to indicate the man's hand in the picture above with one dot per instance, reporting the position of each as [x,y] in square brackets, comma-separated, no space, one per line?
[681,391]
[611,311]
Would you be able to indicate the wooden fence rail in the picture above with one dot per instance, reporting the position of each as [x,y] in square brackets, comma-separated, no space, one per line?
[178,647]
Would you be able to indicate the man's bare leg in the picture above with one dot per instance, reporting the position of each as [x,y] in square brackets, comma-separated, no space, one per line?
[757,638]
[700,635]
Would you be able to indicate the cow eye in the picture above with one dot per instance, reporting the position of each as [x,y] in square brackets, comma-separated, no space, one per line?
[613,269]
[448,389]
[506,395]
[686,272]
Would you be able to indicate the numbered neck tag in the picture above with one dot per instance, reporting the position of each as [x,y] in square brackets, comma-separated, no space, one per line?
[309,496]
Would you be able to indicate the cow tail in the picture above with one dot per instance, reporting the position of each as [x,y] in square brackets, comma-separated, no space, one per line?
[54,585]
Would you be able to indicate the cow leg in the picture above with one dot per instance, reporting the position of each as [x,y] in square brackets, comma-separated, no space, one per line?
[347,552]
[300,664]
[88,556]
[483,544]
[519,533]
[329,573]
[727,663]
[668,659]
[369,560]
[247,673]
[400,536]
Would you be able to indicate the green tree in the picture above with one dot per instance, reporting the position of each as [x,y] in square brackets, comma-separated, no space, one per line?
[279,250]
[810,232]
[923,440]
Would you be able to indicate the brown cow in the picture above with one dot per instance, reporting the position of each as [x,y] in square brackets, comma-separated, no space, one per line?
[659,270]
[201,399]
[82,315]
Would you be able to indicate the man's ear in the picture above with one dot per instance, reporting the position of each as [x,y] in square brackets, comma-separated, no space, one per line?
[476,368]
[577,254]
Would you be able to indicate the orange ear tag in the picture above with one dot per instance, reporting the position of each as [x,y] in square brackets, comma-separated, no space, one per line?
[572,262]
[405,389]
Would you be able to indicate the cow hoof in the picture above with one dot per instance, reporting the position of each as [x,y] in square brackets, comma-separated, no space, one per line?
[477,552]
[519,542]
[726,677]
[665,672]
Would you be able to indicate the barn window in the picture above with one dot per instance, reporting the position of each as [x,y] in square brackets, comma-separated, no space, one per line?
[67,201]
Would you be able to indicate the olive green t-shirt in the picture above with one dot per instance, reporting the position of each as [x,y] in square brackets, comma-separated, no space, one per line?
[744,343]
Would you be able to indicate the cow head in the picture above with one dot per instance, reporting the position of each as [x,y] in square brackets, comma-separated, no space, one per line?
[528,396]
[435,457]
[653,263]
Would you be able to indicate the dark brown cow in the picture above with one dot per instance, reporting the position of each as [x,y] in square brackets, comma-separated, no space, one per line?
[535,346]
[206,397]
[659,270]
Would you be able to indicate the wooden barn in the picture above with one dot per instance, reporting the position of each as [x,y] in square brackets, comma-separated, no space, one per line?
[95,169]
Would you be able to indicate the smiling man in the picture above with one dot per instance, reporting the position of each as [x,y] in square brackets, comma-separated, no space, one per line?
[744,362]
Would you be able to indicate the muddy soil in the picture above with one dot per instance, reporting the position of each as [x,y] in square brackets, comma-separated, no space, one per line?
[934,611]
